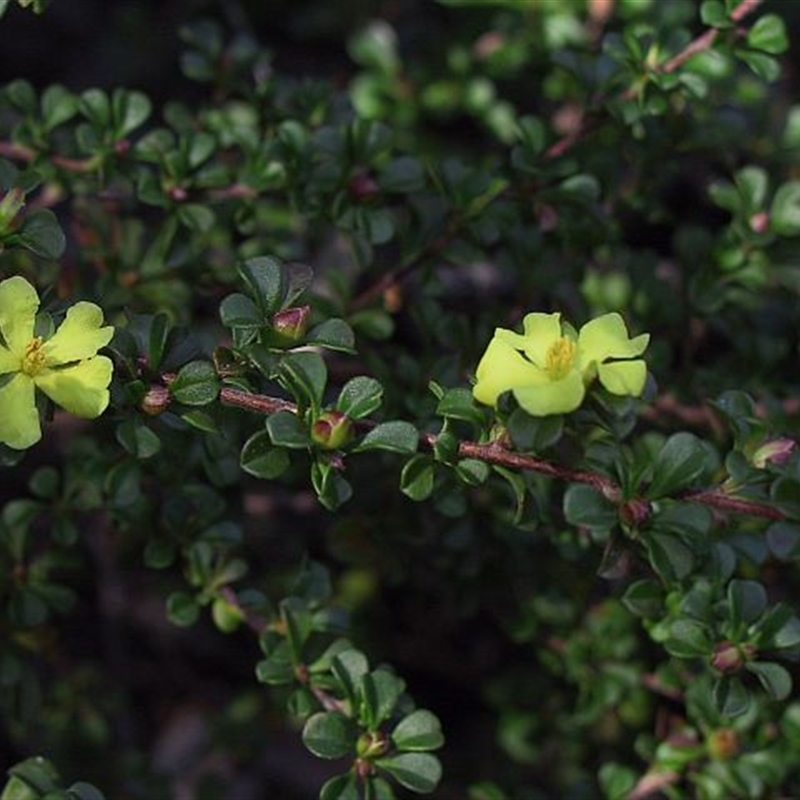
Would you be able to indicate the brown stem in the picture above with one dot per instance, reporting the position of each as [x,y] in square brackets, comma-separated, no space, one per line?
[493,453]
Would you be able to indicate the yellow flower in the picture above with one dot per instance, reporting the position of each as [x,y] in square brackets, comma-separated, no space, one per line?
[65,367]
[549,366]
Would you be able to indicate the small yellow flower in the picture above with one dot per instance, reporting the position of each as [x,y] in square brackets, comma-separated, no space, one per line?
[65,367]
[549,366]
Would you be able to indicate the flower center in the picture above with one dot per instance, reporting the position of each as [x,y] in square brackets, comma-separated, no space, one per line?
[560,357]
[33,360]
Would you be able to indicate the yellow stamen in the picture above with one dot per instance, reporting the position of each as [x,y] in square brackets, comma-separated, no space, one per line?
[33,360]
[560,357]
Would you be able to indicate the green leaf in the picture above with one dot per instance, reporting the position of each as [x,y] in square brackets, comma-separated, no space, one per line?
[329,734]
[419,772]
[714,14]
[783,539]
[84,791]
[534,434]
[419,731]
[416,478]
[585,507]
[332,489]
[785,211]
[41,233]
[349,667]
[36,774]
[182,609]
[396,437]
[359,397]
[765,66]
[94,105]
[645,598]
[669,556]
[287,430]
[404,174]
[305,375]
[129,109]
[380,691]
[267,282]
[196,384]
[277,668]
[341,787]
[58,106]
[239,311]
[334,334]
[788,635]
[752,183]
[196,217]
[261,459]
[137,438]
[472,471]
[459,404]
[785,494]
[747,601]
[775,679]
[768,34]
[688,638]
[730,696]
[677,464]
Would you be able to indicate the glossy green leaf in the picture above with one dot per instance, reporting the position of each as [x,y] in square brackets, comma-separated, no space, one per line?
[417,477]
[359,397]
[182,609]
[329,734]
[645,598]
[419,731]
[677,465]
[267,282]
[334,334]
[669,556]
[261,459]
[396,436]
[785,210]
[419,772]
[747,601]
[534,434]
[287,430]
[459,403]
[585,507]
[688,638]
[783,539]
[349,667]
[775,679]
[730,696]
[768,33]
[42,234]
[306,376]
[341,787]
[196,384]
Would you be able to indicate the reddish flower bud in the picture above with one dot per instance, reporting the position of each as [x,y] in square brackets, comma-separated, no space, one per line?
[729,658]
[775,451]
[292,323]
[332,430]
[156,401]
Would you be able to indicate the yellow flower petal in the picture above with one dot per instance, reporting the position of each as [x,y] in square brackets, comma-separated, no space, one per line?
[9,362]
[607,337]
[541,331]
[81,389]
[623,377]
[79,336]
[19,419]
[502,368]
[18,306]
[553,397]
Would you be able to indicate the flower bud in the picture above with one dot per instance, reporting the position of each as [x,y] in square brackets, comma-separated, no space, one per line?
[775,451]
[729,658]
[292,323]
[332,430]
[12,203]
[156,401]
[723,743]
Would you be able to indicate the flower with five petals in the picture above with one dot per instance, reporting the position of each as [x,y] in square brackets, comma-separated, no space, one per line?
[65,366]
[549,366]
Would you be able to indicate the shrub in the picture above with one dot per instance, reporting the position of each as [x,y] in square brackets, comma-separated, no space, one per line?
[449,399]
